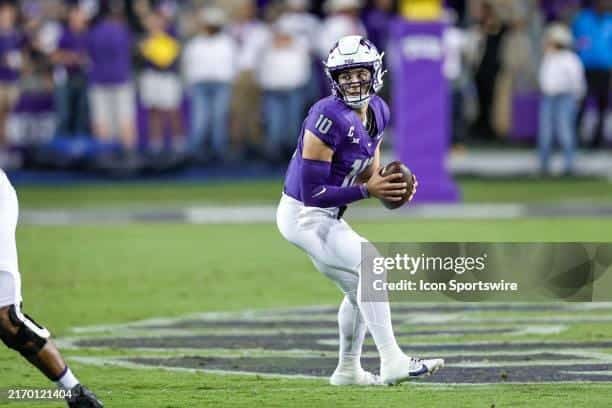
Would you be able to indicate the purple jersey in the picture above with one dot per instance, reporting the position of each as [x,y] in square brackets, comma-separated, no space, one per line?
[11,45]
[338,126]
[110,50]
[74,42]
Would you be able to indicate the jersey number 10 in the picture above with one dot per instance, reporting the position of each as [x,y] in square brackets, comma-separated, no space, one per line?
[323,124]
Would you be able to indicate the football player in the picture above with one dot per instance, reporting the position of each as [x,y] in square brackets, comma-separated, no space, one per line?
[337,162]
[19,331]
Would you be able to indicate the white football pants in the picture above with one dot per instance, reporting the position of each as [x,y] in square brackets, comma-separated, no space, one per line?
[10,280]
[335,250]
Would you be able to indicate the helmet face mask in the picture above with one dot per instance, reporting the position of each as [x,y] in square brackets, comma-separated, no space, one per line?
[353,54]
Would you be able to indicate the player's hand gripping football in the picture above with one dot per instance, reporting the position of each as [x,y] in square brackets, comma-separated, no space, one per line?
[389,187]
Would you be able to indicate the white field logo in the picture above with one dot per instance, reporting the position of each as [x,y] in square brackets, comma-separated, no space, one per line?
[483,343]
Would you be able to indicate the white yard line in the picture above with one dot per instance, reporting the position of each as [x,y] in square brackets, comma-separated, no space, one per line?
[267,213]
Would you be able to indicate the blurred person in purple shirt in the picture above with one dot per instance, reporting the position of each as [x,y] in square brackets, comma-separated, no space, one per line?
[12,43]
[377,19]
[111,93]
[70,59]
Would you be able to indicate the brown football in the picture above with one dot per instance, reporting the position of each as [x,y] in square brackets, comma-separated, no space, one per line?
[398,167]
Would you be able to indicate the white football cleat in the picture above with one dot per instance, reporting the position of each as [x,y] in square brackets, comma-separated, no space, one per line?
[354,377]
[409,368]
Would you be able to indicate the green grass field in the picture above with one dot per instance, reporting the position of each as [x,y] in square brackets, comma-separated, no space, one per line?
[93,275]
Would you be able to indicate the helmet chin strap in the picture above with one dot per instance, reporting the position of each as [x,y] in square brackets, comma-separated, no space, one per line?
[357,104]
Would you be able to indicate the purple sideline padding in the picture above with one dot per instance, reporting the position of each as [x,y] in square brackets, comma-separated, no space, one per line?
[420,107]
[525,110]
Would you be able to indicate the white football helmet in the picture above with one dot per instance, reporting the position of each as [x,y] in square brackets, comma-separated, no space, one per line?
[354,51]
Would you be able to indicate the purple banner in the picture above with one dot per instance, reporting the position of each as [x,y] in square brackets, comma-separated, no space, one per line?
[421,107]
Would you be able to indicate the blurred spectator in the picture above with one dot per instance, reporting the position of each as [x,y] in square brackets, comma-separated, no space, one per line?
[89,7]
[301,23]
[460,8]
[12,43]
[283,72]
[306,26]
[343,19]
[31,120]
[160,85]
[593,32]
[250,34]
[562,84]
[455,42]
[168,9]
[111,92]
[246,76]
[519,62]
[559,10]
[42,23]
[491,31]
[208,67]
[70,59]
[377,20]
